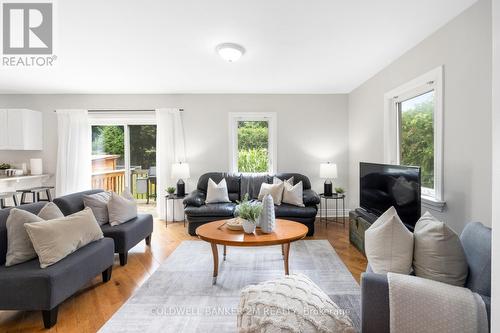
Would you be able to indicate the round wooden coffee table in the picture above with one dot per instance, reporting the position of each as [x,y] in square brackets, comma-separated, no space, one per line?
[217,232]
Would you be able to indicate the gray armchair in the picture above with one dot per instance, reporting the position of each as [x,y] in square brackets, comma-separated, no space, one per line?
[476,241]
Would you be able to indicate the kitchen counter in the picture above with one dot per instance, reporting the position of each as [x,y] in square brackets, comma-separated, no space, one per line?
[4,178]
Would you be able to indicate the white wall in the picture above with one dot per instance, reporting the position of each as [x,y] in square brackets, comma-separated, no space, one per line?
[495,288]
[463,46]
[311,128]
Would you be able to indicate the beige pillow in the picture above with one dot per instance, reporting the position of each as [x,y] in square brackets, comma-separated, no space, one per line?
[53,240]
[217,192]
[438,253]
[121,208]
[389,244]
[293,194]
[275,190]
[98,202]
[19,247]
[50,211]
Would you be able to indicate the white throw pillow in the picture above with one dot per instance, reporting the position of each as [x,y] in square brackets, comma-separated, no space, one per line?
[276,180]
[438,253]
[53,240]
[275,190]
[50,211]
[19,247]
[217,192]
[121,208]
[292,194]
[98,202]
[389,244]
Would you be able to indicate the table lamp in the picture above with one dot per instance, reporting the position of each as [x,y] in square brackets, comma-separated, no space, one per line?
[328,171]
[180,171]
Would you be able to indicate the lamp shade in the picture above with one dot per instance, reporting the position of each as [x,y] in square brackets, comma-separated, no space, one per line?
[328,170]
[180,170]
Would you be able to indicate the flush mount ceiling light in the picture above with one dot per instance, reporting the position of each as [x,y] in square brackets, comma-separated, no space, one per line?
[230,52]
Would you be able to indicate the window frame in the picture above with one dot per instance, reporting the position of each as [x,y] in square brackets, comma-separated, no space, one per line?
[432,80]
[234,118]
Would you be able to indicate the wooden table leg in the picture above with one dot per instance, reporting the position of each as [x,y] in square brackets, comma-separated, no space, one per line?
[224,252]
[286,248]
[283,250]
[215,253]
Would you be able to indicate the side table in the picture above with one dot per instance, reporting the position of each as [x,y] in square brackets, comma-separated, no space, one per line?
[173,197]
[335,197]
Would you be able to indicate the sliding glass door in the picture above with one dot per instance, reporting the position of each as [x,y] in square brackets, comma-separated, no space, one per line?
[124,155]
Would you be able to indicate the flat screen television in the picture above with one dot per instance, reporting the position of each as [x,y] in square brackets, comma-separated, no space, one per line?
[383,186]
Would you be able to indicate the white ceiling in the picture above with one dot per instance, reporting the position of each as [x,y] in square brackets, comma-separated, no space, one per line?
[293,46]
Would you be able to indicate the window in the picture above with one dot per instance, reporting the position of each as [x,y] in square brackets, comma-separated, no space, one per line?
[413,129]
[252,142]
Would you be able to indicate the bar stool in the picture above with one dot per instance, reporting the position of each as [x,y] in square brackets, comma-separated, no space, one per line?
[35,193]
[8,195]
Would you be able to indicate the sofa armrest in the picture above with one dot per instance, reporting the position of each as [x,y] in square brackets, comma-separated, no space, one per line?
[310,198]
[195,198]
[374,303]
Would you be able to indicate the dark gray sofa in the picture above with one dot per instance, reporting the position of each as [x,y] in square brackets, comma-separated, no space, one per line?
[198,213]
[26,286]
[476,241]
[126,235]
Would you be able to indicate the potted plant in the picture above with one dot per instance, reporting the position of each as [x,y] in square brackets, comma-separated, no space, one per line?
[339,191]
[3,167]
[249,213]
[170,190]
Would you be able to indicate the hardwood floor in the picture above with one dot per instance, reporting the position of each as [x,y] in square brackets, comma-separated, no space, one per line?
[90,308]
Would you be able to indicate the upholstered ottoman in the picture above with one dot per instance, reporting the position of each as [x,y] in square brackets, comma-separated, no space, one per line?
[290,304]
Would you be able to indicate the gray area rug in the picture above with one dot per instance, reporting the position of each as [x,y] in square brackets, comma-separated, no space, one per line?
[180,297]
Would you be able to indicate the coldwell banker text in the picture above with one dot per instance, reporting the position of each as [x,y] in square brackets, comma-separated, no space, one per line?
[27,34]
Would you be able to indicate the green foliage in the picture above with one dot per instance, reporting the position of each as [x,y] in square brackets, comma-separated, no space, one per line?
[170,190]
[4,166]
[110,140]
[252,160]
[417,140]
[249,210]
[253,140]
[339,190]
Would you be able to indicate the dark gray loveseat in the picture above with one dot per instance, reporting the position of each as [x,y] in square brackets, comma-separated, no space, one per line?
[26,286]
[198,213]
[476,241]
[126,235]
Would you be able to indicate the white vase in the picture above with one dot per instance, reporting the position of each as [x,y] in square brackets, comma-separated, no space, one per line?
[248,226]
[267,217]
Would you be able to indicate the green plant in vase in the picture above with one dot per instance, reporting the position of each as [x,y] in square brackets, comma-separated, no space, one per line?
[170,190]
[249,212]
[339,190]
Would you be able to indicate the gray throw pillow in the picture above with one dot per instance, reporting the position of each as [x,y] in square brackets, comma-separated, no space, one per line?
[121,208]
[19,247]
[53,240]
[438,254]
[98,202]
[50,211]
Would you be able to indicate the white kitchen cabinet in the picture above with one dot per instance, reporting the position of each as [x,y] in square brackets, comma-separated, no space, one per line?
[21,129]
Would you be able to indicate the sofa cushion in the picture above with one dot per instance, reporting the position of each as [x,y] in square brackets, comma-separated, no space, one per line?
[389,244]
[50,211]
[275,190]
[438,254]
[215,209]
[121,208]
[19,248]
[98,202]
[28,287]
[127,235]
[476,242]
[55,239]
[4,215]
[233,182]
[287,210]
[217,192]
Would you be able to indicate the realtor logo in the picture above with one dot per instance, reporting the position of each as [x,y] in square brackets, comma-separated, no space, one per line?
[27,28]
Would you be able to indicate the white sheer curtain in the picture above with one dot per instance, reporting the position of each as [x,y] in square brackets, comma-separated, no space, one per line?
[73,172]
[169,149]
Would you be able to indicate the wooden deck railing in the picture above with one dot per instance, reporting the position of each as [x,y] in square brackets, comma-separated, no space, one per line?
[113,180]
